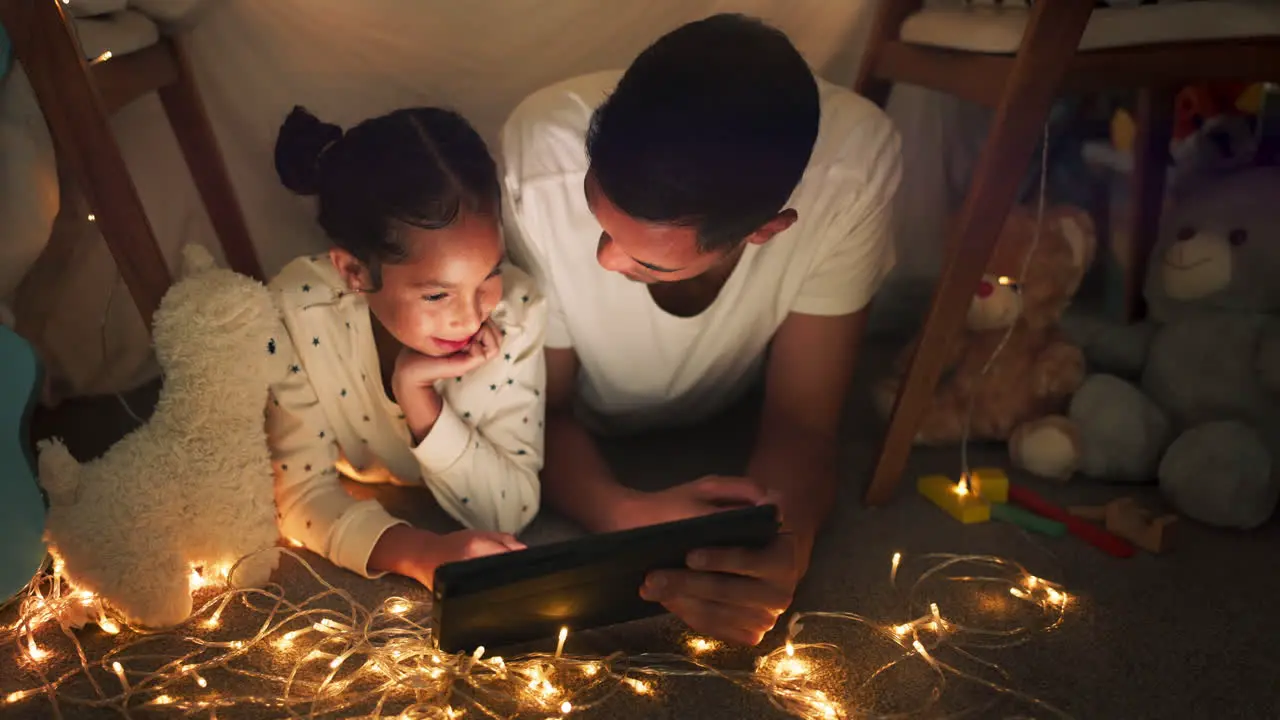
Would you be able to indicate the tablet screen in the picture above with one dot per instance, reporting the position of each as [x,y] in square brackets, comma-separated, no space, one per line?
[581,583]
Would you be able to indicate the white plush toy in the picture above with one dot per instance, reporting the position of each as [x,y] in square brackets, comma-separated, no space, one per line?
[193,487]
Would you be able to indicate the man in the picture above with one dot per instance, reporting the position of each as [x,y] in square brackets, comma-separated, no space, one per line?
[713,201]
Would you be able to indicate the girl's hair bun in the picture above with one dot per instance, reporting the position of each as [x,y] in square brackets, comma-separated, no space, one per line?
[300,145]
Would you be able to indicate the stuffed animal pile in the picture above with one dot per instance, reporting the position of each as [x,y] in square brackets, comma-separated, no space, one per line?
[192,488]
[1192,397]
[1037,370]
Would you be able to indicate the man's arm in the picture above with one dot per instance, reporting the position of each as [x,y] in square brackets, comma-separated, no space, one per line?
[576,480]
[807,380]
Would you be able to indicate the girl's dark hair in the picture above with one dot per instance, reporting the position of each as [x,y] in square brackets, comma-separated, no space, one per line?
[420,167]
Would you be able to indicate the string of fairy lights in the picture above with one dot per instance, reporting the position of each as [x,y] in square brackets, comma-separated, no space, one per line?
[329,654]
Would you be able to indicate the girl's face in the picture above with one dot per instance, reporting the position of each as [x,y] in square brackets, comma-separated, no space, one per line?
[435,301]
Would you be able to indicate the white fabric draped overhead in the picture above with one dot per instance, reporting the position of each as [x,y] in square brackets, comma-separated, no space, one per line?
[347,60]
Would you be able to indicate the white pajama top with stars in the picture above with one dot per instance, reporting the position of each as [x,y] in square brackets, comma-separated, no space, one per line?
[330,415]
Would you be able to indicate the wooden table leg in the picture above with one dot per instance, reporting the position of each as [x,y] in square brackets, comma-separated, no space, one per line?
[1154,120]
[1050,40]
[77,121]
[191,126]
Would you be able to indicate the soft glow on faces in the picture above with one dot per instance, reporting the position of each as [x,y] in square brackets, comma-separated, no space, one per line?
[435,301]
[643,251]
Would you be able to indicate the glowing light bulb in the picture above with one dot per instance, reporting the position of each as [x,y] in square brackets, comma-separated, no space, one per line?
[590,669]
[37,653]
[14,697]
[566,707]
[564,635]
[162,700]
[295,543]
[1018,593]
[640,687]
[1032,581]
[214,619]
[91,217]
[108,625]
[59,565]
[197,580]
[791,667]
[902,630]
[702,645]
[791,649]
[962,487]
[336,662]
[919,647]
[893,567]
[1004,280]
[398,608]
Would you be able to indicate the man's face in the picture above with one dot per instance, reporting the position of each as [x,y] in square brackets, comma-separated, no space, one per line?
[643,251]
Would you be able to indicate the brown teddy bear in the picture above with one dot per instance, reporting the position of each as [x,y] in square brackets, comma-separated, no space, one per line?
[1033,377]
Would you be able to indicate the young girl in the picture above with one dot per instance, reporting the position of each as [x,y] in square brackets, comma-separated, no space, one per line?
[416,353]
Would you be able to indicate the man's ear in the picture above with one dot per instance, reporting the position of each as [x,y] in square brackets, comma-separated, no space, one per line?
[354,274]
[780,222]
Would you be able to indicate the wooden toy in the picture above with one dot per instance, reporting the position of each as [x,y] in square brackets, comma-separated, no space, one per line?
[1027,520]
[981,497]
[991,484]
[1081,528]
[1139,525]
[1126,518]
[956,499]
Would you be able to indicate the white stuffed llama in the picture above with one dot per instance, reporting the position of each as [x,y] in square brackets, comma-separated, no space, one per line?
[193,487]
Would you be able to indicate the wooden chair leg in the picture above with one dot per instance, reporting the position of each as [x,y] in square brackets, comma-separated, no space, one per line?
[1049,41]
[59,75]
[884,28]
[191,126]
[1154,119]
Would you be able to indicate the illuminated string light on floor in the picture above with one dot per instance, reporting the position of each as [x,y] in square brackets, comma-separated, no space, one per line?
[328,654]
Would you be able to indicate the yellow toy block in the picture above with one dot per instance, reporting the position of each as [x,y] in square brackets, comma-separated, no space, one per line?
[957,500]
[990,484]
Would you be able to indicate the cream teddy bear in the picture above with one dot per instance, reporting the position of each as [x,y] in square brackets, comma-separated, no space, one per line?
[193,487]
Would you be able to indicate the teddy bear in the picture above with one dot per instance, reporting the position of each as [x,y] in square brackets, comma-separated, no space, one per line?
[192,488]
[1191,396]
[1020,397]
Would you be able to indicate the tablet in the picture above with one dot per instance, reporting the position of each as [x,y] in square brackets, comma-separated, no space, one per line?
[587,582]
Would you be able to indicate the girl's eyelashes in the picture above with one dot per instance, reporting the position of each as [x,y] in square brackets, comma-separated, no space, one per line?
[435,297]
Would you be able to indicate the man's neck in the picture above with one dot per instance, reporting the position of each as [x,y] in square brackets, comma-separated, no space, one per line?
[692,296]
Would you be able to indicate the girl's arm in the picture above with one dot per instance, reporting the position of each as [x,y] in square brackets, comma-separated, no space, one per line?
[483,467]
[312,506]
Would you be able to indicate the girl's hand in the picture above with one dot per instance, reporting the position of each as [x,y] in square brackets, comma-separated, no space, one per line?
[417,553]
[415,370]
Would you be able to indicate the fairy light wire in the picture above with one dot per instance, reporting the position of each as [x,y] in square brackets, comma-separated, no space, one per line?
[329,654]
[1042,196]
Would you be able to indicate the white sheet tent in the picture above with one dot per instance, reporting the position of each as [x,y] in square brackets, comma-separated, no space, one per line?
[349,59]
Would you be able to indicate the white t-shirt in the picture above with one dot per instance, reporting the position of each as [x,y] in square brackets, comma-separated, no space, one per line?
[330,415]
[642,367]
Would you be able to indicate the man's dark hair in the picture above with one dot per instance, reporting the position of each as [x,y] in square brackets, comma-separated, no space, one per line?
[711,127]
